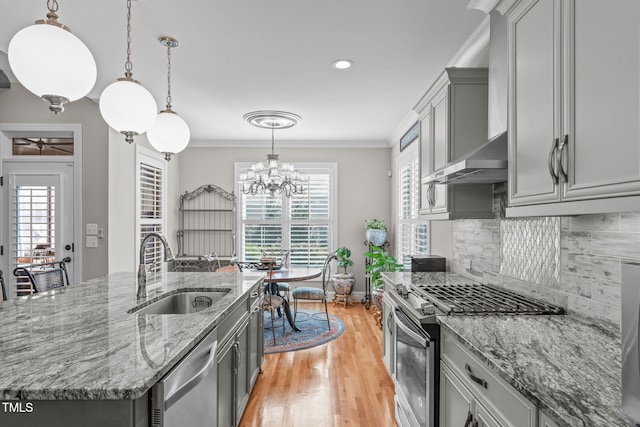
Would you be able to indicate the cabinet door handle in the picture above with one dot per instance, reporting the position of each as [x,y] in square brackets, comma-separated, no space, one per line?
[236,350]
[193,381]
[552,157]
[478,380]
[561,161]
[389,324]
[432,195]
[428,192]
[469,419]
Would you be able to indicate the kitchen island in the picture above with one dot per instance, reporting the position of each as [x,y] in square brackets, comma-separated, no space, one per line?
[566,366]
[81,343]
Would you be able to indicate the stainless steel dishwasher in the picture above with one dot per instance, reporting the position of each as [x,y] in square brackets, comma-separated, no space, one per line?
[187,395]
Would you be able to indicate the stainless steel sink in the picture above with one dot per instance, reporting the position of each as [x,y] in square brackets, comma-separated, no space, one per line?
[182,302]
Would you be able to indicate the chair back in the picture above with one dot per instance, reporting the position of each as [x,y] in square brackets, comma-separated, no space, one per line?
[326,270]
[44,277]
[209,262]
[4,291]
[283,256]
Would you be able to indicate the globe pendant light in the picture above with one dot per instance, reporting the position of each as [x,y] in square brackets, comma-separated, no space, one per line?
[126,105]
[51,62]
[170,134]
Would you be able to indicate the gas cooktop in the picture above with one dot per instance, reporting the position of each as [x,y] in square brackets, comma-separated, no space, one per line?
[476,298]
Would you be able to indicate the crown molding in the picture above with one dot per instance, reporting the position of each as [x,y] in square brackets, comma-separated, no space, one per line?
[486,6]
[288,144]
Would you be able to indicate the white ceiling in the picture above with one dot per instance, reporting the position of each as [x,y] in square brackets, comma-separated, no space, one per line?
[245,55]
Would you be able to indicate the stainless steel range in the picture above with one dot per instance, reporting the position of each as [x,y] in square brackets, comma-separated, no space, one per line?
[417,333]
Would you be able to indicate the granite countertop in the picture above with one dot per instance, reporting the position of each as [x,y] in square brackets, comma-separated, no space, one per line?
[568,366]
[79,342]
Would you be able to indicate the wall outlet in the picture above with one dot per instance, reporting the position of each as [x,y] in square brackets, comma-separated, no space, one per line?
[92,241]
[92,229]
[467,264]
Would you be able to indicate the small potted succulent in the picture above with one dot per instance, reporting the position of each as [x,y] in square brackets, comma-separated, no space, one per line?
[376,231]
[343,281]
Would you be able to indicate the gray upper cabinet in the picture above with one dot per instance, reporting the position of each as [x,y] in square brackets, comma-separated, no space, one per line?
[453,116]
[574,94]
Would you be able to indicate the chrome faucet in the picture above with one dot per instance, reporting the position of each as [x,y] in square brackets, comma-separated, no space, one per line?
[142,270]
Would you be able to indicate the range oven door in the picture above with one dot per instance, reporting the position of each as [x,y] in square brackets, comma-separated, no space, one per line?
[631,340]
[416,356]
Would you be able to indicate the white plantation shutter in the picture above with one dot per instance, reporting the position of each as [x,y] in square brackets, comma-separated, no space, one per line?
[303,223]
[413,234]
[151,206]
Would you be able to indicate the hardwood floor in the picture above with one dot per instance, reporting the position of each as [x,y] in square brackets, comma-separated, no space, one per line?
[341,383]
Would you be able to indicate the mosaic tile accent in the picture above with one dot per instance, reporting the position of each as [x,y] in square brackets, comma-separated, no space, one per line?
[531,250]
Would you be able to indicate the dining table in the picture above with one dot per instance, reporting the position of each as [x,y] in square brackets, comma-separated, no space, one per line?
[288,275]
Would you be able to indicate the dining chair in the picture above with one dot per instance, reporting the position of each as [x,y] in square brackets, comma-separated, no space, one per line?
[273,303]
[4,291]
[44,277]
[315,294]
[282,258]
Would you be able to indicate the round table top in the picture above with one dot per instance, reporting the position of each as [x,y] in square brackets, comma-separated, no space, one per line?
[293,274]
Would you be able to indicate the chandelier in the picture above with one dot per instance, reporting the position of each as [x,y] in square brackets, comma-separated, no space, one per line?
[272,177]
[126,105]
[170,134]
[48,60]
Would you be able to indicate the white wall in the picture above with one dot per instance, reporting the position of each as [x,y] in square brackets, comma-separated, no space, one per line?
[364,189]
[122,192]
[17,105]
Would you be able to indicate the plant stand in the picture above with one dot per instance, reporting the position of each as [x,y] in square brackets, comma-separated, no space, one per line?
[343,299]
[367,281]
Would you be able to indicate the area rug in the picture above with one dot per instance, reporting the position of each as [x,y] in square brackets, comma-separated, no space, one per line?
[313,331]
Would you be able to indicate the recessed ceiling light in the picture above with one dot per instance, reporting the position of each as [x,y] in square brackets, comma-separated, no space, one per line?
[342,64]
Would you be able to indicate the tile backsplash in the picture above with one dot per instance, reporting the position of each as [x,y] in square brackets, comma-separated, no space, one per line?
[570,261]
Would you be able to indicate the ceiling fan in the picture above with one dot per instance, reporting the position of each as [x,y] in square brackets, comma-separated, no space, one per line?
[45,146]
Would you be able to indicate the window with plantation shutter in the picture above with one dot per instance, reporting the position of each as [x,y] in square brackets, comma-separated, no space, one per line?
[150,203]
[412,235]
[303,223]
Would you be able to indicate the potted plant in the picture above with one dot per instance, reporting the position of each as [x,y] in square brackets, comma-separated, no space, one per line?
[343,281]
[380,261]
[376,231]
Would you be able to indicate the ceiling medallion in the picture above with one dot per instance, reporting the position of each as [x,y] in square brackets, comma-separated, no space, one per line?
[271,119]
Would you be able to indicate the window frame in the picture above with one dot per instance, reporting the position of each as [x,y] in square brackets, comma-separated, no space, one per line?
[308,168]
[155,159]
[409,158]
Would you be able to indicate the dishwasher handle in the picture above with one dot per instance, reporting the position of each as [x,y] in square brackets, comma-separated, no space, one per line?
[193,381]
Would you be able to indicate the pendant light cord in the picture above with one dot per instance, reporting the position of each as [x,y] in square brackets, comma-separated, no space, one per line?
[169,76]
[128,66]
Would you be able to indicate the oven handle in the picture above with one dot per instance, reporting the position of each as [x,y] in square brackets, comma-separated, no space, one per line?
[400,322]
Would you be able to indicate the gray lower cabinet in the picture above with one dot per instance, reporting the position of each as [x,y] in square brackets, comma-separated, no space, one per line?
[469,390]
[256,341]
[65,413]
[239,359]
[388,341]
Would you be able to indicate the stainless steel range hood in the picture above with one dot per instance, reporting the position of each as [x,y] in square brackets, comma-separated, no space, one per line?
[487,164]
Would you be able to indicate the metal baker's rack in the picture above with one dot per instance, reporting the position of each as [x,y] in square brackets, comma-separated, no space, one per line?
[207,229]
